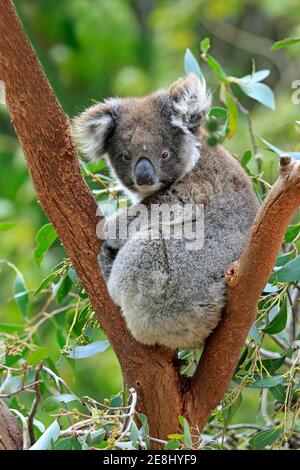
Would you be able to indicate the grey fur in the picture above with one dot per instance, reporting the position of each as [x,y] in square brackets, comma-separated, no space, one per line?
[168,294]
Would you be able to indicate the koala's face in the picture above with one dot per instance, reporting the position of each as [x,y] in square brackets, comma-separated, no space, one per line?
[150,142]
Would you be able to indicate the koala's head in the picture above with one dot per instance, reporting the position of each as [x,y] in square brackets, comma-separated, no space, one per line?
[150,142]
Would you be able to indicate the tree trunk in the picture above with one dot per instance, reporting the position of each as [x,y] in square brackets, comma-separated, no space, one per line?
[45,135]
[10,434]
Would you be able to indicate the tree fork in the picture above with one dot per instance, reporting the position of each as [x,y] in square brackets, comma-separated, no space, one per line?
[45,135]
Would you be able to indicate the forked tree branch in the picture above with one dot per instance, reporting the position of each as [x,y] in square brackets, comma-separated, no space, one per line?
[246,280]
[45,135]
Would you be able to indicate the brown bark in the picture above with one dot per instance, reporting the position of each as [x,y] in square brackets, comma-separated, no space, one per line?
[10,434]
[45,134]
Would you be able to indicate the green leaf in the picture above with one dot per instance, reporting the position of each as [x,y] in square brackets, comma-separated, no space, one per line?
[37,356]
[280,152]
[84,312]
[264,438]
[81,352]
[218,112]
[267,382]
[50,435]
[21,294]
[285,43]
[68,443]
[282,260]
[116,401]
[176,436]
[54,402]
[172,444]
[51,278]
[4,226]
[278,323]
[232,115]
[11,327]
[45,237]
[246,158]
[145,429]
[272,365]
[290,272]
[292,233]
[96,437]
[191,65]
[64,288]
[205,45]
[186,431]
[279,393]
[216,67]
[230,411]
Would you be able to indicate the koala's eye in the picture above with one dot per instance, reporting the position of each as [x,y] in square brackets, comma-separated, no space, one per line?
[125,157]
[165,155]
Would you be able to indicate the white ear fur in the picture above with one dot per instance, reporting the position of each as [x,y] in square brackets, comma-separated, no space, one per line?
[190,101]
[92,127]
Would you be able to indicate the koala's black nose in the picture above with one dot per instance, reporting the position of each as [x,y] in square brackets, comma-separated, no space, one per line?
[144,173]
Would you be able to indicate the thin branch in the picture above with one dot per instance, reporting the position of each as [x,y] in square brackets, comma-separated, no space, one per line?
[34,405]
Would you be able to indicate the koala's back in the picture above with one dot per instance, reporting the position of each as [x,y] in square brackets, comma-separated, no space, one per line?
[174,296]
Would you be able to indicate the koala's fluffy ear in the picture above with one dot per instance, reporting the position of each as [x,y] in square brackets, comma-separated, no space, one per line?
[190,102]
[93,128]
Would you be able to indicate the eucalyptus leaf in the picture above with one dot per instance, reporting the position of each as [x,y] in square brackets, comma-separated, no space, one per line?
[50,435]
[264,438]
[205,45]
[191,64]
[10,384]
[278,323]
[267,382]
[64,288]
[292,233]
[37,356]
[279,393]
[68,443]
[290,272]
[172,444]
[54,402]
[218,112]
[51,278]
[285,43]
[21,294]
[280,152]
[82,352]
[232,115]
[246,158]
[4,226]
[259,92]
[216,67]
[45,237]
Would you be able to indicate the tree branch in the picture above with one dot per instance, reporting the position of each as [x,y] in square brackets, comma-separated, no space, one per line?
[246,280]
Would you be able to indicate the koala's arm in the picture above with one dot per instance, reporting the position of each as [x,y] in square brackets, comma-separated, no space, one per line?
[116,234]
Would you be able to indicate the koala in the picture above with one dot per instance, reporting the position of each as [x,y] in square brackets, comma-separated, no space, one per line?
[156,147]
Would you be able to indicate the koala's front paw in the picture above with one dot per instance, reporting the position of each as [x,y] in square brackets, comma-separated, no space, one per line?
[107,255]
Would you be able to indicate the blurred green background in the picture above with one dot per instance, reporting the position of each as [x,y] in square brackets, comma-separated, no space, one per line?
[92,49]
